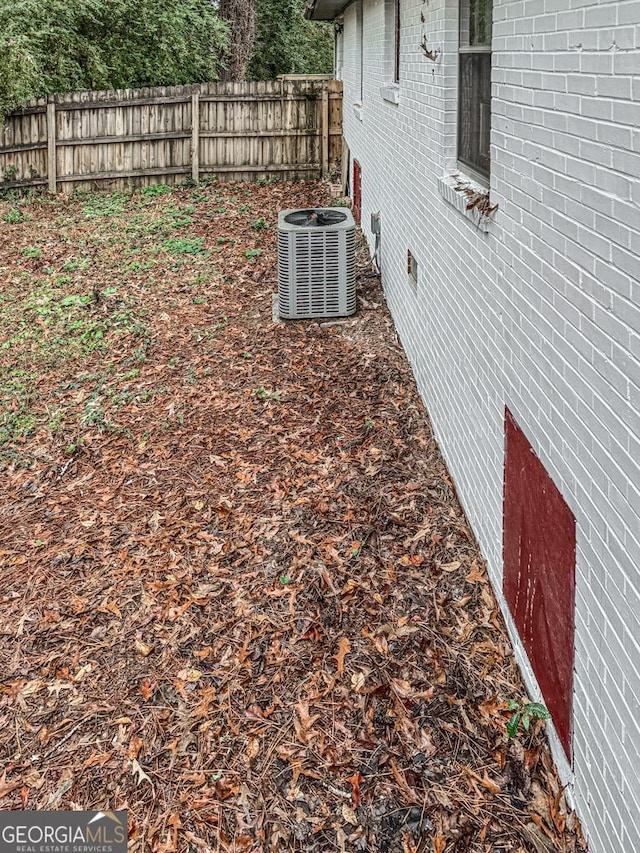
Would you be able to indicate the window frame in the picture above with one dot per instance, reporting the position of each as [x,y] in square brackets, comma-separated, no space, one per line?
[470,169]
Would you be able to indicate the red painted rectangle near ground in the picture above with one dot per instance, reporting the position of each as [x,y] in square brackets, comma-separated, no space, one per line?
[539,548]
[357,191]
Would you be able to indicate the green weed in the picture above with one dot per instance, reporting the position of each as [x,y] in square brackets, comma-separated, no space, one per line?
[104,205]
[524,712]
[55,420]
[194,246]
[31,252]
[263,180]
[266,395]
[138,266]
[171,220]
[155,189]
[199,195]
[16,425]
[74,264]
[15,217]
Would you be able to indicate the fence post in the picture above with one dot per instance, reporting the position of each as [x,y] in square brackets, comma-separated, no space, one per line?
[195,137]
[51,147]
[325,131]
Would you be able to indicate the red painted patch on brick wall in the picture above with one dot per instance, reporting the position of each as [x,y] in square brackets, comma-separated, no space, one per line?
[357,191]
[539,573]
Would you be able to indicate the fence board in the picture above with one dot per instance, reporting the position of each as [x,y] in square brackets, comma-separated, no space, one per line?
[290,127]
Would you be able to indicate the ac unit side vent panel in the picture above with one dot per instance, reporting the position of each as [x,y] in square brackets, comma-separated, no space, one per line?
[316,263]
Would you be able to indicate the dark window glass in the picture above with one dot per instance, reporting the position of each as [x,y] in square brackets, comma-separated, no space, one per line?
[474,94]
[396,55]
[360,12]
[476,30]
[474,119]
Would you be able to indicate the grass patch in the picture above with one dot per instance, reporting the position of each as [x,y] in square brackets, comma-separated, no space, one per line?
[108,275]
[17,419]
[53,326]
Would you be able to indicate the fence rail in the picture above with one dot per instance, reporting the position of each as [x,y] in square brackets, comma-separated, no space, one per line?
[291,127]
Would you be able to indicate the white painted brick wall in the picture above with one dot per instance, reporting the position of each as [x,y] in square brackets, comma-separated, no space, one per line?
[541,314]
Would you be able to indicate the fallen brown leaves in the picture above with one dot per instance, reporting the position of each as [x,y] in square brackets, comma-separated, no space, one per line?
[246,605]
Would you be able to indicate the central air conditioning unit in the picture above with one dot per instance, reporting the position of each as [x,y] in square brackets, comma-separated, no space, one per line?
[316,263]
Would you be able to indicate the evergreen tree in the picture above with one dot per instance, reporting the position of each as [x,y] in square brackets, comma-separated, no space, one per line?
[66,45]
[286,43]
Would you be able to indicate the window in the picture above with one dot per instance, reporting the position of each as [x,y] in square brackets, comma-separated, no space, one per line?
[392,29]
[360,25]
[474,87]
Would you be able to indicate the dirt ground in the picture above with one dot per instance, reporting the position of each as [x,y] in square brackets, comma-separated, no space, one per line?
[238,596]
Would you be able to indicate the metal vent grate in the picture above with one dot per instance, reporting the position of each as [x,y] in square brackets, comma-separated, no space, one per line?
[315,218]
[316,263]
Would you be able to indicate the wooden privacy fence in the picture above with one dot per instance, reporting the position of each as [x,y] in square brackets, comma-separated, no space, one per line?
[290,127]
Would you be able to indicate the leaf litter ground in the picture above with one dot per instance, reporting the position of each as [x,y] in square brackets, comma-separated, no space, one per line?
[239,597]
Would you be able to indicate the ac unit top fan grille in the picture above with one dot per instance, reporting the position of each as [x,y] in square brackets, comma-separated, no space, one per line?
[315,218]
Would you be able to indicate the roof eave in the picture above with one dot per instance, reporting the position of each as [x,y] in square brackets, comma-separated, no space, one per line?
[325,10]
